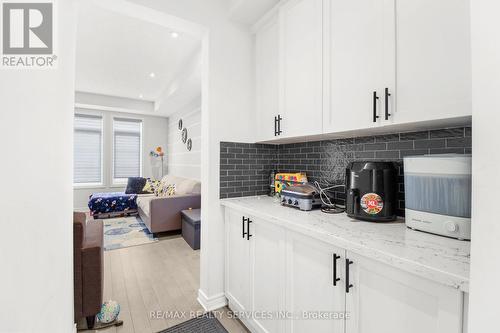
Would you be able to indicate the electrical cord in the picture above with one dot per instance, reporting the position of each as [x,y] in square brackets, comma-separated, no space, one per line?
[329,207]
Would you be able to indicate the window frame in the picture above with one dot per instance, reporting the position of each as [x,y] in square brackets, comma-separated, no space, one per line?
[115,182]
[101,183]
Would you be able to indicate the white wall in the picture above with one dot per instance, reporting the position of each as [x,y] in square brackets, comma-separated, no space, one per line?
[227,115]
[154,133]
[36,253]
[180,161]
[485,245]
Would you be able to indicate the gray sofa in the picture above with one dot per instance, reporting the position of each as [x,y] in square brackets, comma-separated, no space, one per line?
[164,213]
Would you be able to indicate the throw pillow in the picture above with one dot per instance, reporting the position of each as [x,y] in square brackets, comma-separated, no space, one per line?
[165,190]
[135,185]
[151,186]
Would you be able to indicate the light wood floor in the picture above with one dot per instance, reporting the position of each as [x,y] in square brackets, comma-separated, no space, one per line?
[163,276]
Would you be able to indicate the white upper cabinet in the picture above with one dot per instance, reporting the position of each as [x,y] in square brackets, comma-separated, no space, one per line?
[381,298]
[354,63]
[301,69]
[333,66]
[267,66]
[433,60]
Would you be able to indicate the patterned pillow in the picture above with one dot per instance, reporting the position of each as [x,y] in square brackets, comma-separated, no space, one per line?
[151,186]
[165,190]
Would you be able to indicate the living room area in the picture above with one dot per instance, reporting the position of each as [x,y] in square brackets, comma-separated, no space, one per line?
[136,173]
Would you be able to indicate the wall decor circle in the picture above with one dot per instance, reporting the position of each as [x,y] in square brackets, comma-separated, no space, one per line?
[184,135]
[179,124]
[189,144]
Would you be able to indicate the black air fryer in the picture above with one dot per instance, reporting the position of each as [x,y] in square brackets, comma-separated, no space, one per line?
[371,191]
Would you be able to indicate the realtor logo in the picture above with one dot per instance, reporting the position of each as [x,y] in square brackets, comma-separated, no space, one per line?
[28,34]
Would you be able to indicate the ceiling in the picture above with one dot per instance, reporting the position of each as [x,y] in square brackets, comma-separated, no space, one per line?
[249,11]
[116,54]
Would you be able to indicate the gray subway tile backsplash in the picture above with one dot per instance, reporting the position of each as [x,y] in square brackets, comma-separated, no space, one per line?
[245,167]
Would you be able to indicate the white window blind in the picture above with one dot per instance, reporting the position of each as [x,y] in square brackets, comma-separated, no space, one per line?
[87,168]
[127,148]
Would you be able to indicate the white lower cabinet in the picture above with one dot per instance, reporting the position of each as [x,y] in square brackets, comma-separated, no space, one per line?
[386,299]
[237,284]
[255,266]
[267,244]
[315,280]
[283,281]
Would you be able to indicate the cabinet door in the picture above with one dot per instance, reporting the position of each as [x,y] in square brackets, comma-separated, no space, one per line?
[237,284]
[301,67]
[267,48]
[385,299]
[433,60]
[354,57]
[268,275]
[310,290]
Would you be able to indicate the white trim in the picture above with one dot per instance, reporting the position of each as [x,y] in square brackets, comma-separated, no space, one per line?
[211,303]
[78,186]
[112,109]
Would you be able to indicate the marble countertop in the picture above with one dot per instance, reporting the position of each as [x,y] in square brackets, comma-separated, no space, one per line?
[437,258]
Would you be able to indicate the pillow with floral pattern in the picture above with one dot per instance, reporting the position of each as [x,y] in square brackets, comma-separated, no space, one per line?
[151,186]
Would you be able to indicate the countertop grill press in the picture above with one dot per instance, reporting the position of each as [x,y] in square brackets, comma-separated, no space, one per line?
[371,191]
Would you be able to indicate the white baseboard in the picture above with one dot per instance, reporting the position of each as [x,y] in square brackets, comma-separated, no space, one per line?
[211,303]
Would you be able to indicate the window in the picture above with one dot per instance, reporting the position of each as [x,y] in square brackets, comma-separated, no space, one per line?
[87,168]
[126,149]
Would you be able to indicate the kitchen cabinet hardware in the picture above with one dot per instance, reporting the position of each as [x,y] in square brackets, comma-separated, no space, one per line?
[375,100]
[248,228]
[279,119]
[387,94]
[243,220]
[335,278]
[348,284]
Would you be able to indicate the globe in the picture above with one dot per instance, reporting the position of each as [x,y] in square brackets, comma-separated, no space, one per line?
[109,312]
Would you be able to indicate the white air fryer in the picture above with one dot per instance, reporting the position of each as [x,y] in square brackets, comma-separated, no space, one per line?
[438,194]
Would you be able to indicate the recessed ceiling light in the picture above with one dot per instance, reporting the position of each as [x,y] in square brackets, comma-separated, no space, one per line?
[174,34]
[152,75]
[141,96]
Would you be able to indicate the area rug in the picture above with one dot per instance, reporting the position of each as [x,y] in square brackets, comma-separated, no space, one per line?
[123,232]
[204,324]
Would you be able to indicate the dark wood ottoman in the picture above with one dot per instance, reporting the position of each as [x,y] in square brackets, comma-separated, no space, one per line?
[191,223]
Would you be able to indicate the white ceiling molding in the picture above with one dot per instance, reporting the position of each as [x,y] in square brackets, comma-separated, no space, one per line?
[250,11]
[91,101]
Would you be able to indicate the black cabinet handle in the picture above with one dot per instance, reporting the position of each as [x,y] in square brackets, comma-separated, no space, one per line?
[375,98]
[275,126]
[279,125]
[243,233]
[248,228]
[387,94]
[348,285]
[335,278]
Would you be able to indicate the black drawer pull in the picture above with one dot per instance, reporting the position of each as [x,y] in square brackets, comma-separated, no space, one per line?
[375,99]
[335,278]
[244,219]
[248,228]
[275,126]
[279,125]
[348,284]
[387,94]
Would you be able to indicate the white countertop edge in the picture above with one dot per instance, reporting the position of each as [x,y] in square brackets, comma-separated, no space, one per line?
[431,273]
